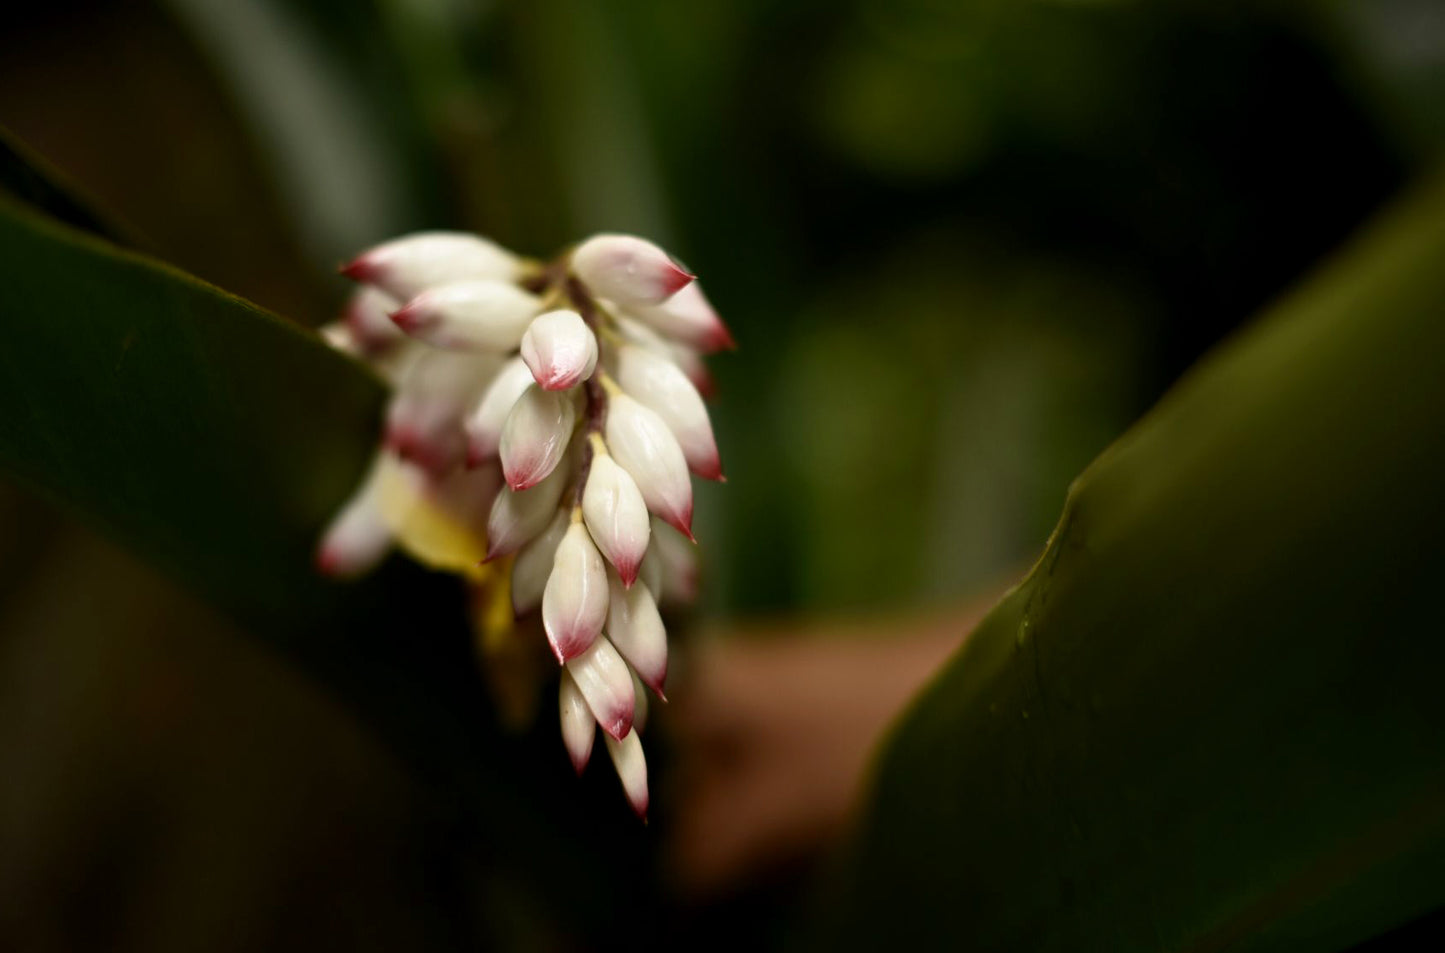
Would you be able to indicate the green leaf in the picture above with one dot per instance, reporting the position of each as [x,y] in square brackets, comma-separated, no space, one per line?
[24,176]
[1210,718]
[216,439]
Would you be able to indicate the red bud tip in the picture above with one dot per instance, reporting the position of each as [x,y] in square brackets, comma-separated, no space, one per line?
[682,522]
[520,479]
[363,268]
[328,563]
[568,648]
[712,470]
[407,317]
[556,650]
[706,384]
[559,381]
[620,725]
[676,279]
[627,572]
[719,338]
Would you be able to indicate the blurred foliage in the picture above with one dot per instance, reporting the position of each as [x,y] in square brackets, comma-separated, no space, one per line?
[1208,718]
[962,244]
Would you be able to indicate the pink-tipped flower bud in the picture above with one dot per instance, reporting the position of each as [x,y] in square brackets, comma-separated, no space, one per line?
[684,356]
[631,765]
[615,513]
[368,316]
[673,560]
[518,516]
[694,367]
[635,628]
[424,419]
[628,270]
[358,536]
[560,349]
[406,266]
[606,683]
[574,604]
[484,424]
[535,436]
[579,727]
[642,443]
[661,385]
[469,316]
[533,565]
[687,317]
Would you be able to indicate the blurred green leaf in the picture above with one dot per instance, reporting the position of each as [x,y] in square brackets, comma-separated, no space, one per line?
[215,439]
[24,176]
[1210,718]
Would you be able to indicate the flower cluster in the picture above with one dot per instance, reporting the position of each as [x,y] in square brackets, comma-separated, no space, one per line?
[539,440]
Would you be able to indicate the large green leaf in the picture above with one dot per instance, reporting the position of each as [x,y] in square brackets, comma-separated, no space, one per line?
[215,439]
[1210,718]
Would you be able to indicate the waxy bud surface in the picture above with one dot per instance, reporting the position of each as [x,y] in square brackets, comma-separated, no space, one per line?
[660,385]
[469,316]
[560,349]
[406,266]
[628,270]
[642,443]
[574,604]
[616,515]
[535,435]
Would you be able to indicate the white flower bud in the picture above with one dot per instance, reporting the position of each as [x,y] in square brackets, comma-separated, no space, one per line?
[685,357]
[536,434]
[368,317]
[635,628]
[627,270]
[533,565]
[338,337]
[579,727]
[631,767]
[518,516]
[615,513]
[469,316]
[694,367]
[641,442]
[424,419]
[661,385]
[484,425]
[406,266]
[674,560]
[358,536]
[574,604]
[606,683]
[687,317]
[560,349]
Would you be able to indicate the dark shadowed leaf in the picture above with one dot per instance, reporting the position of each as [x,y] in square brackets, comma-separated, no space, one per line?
[1210,718]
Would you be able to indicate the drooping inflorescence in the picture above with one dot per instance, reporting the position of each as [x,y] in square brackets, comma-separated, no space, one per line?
[544,422]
